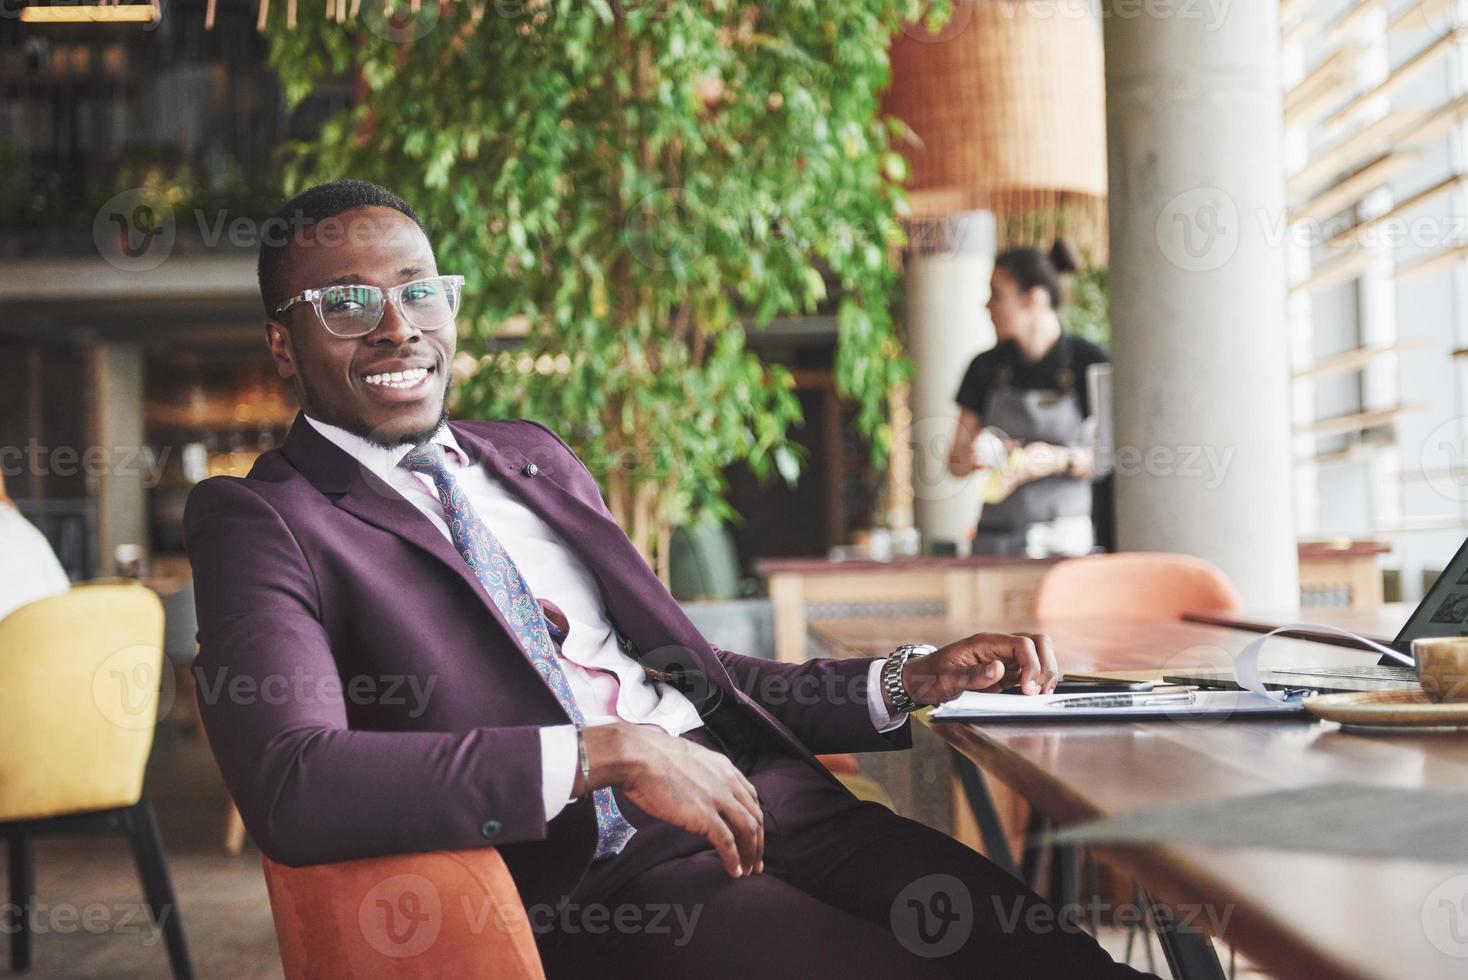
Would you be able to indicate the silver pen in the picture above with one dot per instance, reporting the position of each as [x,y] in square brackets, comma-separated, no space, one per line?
[1124,700]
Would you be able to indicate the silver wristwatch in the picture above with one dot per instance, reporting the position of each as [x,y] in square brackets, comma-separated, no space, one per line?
[891,675]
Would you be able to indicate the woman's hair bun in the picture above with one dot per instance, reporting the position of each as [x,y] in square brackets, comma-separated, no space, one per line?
[1063,257]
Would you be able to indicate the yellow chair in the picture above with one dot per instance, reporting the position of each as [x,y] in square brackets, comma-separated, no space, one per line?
[79,685]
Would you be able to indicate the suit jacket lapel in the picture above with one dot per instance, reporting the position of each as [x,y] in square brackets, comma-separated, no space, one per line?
[364,495]
[636,600]
[635,596]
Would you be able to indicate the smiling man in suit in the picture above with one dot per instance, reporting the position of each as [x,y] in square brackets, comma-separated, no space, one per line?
[420,635]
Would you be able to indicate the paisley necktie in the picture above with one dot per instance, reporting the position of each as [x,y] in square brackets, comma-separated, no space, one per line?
[497,572]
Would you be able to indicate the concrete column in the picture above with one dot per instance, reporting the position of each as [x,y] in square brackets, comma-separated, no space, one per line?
[1202,403]
[120,482]
[947,286]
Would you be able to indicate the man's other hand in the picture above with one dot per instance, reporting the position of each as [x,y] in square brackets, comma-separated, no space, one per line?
[983,662]
[681,783]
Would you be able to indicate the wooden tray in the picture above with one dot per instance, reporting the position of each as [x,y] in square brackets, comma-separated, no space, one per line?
[1389,709]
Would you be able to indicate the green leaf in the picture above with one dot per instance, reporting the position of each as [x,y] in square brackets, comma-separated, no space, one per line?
[573,159]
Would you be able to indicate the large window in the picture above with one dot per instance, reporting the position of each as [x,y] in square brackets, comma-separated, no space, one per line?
[1377,238]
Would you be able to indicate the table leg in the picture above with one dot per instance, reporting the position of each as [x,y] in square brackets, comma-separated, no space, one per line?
[996,844]
[1065,880]
[1189,951]
[787,596]
[1037,848]
[1190,954]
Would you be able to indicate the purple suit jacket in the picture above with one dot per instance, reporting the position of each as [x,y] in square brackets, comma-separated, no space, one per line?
[364,695]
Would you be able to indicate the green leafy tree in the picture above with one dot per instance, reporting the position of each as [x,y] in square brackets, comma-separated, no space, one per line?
[631,183]
[1087,311]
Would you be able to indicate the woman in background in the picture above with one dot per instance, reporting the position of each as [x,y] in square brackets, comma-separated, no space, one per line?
[1029,393]
[28,567]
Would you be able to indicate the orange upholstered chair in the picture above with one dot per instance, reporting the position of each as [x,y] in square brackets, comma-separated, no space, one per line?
[410,916]
[1134,585]
[841,764]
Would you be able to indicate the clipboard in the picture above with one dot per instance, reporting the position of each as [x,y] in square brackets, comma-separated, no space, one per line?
[974,708]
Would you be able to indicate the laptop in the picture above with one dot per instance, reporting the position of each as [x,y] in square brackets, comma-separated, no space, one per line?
[1442,612]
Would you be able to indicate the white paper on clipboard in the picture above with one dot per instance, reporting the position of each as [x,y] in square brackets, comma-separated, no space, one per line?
[1255,698]
[973,706]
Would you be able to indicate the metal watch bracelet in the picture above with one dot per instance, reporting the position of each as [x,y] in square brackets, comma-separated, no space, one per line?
[584,761]
[891,675]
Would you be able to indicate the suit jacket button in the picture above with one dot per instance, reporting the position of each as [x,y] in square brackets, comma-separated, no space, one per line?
[530,469]
[491,828]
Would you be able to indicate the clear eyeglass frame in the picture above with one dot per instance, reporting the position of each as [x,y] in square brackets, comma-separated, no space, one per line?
[453,289]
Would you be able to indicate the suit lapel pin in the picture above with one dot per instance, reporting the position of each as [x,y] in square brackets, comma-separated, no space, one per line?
[530,469]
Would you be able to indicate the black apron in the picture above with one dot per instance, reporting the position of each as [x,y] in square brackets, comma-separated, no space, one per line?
[1034,415]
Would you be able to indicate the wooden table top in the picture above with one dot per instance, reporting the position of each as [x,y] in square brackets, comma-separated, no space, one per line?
[816,564]
[1381,623]
[1297,915]
[1317,550]
[822,565]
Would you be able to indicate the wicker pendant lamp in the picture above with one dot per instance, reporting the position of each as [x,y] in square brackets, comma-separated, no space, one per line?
[1009,103]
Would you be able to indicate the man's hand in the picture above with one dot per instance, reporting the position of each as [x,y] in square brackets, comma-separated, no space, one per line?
[983,662]
[681,783]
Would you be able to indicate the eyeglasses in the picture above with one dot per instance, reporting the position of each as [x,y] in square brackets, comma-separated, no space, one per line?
[355,309]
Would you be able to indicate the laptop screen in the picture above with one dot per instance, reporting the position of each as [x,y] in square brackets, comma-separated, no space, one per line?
[1444,610]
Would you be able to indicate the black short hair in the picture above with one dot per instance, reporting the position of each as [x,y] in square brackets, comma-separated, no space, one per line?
[306,208]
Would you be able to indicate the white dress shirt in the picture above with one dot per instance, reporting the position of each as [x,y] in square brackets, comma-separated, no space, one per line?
[607,684]
[28,567]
